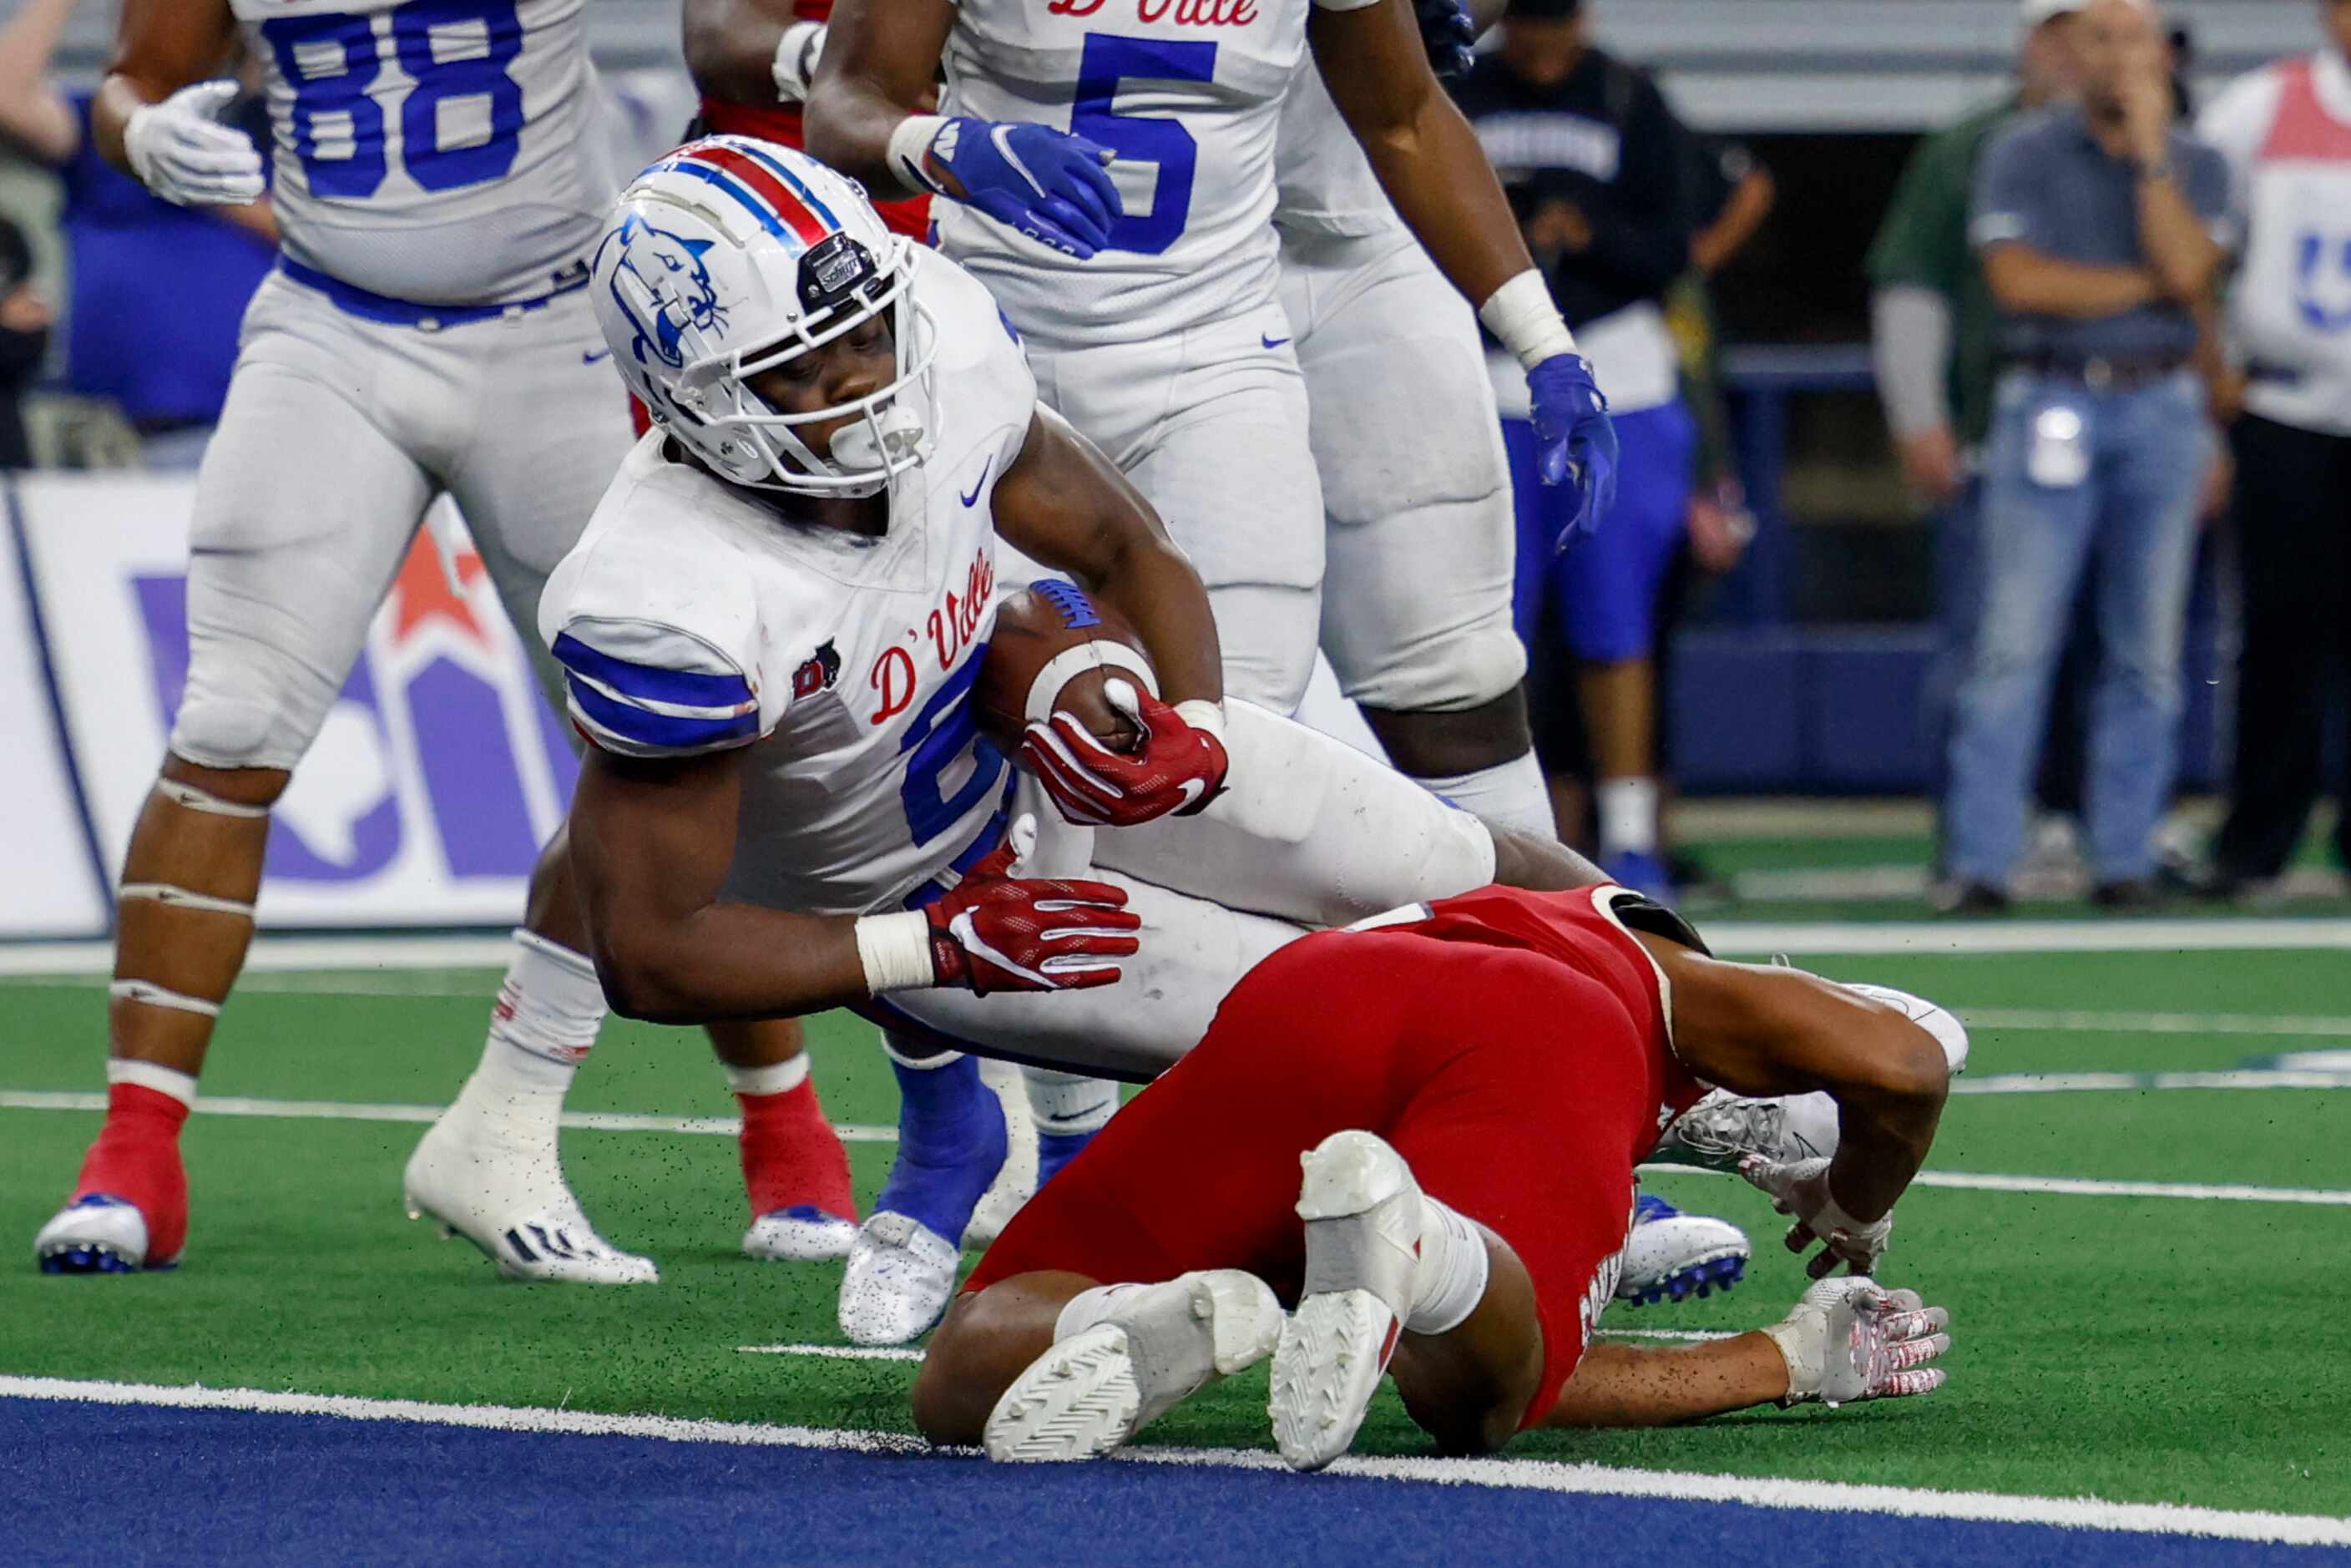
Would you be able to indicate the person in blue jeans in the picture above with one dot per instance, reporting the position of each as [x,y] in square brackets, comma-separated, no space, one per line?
[2100,228]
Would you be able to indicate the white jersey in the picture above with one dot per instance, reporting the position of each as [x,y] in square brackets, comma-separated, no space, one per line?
[2285,130]
[1325,185]
[1187,93]
[690,619]
[437,152]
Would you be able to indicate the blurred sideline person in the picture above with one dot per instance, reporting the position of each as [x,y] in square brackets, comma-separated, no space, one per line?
[1594,163]
[2098,227]
[1933,336]
[162,355]
[1468,1086]
[25,317]
[2285,130]
[381,366]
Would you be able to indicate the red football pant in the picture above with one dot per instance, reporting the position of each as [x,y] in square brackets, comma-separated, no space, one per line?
[1514,1086]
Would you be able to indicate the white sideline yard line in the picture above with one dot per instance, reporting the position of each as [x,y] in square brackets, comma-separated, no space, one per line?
[727,1126]
[2234,1078]
[2077,1020]
[1523,1475]
[283,954]
[342,1111]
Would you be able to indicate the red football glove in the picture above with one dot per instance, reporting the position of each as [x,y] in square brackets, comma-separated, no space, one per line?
[1178,769]
[994,933]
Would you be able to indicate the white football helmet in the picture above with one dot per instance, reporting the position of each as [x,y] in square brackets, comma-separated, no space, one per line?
[731,256]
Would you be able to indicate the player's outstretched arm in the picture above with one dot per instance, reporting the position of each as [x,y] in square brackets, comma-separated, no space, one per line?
[1846,1341]
[751,51]
[652,839]
[1064,503]
[156,116]
[1429,162]
[1764,1030]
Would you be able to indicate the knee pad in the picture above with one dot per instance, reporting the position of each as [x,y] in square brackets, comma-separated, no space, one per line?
[1466,669]
[248,705]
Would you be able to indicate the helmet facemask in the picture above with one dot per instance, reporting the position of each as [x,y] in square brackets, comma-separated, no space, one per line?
[752,445]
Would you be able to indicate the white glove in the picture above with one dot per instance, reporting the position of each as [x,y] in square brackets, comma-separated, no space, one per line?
[1849,1339]
[1801,1189]
[181,152]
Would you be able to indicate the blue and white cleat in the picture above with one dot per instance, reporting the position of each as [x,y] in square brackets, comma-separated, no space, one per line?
[966,1162]
[1672,1256]
[97,1233]
[1155,1347]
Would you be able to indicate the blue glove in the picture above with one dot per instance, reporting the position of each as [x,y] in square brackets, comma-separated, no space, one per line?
[1448,36]
[1578,445]
[1032,179]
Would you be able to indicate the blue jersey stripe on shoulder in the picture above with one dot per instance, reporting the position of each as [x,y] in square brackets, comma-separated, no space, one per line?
[647,683]
[668,731]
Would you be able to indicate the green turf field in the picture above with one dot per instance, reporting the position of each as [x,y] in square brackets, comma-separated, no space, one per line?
[2140,1348]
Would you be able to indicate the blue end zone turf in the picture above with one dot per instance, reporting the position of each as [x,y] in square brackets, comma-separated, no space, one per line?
[207,1486]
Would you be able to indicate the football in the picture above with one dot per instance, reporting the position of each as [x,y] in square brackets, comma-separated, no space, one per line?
[1033,628]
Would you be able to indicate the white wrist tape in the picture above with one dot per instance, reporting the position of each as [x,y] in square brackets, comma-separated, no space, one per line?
[1203,716]
[1522,314]
[797,53]
[1833,1218]
[895,951]
[908,144]
[1802,1340]
[1103,653]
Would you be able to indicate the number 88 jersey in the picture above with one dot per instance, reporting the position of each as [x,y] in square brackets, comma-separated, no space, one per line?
[436,151]
[1188,94]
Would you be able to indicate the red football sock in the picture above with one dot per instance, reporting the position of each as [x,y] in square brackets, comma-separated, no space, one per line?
[137,1157]
[792,1155]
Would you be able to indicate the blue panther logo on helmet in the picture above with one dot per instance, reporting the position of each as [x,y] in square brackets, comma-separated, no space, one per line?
[671,280]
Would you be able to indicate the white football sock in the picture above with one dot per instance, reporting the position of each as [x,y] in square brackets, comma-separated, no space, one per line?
[1628,816]
[777,1078]
[179,1085]
[1088,1308]
[541,1027]
[1065,1104]
[1451,1280]
[1511,795]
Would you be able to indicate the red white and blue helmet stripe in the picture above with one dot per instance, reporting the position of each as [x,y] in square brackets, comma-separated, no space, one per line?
[777,199]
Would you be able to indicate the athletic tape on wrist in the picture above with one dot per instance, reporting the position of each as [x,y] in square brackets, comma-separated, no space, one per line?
[908,144]
[196,800]
[1523,316]
[1202,715]
[175,898]
[895,952]
[150,994]
[1102,652]
[1802,1346]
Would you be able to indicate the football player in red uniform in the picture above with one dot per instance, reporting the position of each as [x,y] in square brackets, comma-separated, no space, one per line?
[1469,1085]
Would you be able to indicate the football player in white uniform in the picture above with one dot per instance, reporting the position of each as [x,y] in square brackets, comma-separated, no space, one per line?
[438,192]
[1109,169]
[771,631]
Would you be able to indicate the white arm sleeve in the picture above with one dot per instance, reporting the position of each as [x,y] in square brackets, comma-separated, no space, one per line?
[1910,345]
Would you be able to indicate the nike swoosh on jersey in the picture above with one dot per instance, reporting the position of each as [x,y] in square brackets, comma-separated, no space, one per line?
[588,359]
[1193,789]
[972,500]
[1271,342]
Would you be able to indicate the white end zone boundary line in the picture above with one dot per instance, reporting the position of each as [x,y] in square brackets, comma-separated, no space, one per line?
[1525,1475]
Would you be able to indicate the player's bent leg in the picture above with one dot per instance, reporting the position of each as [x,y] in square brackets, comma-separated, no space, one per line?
[1069,1109]
[1481,759]
[303,508]
[489,1168]
[966,1161]
[1123,1356]
[795,1170]
[1382,1258]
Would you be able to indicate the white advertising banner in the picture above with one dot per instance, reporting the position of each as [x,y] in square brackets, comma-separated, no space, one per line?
[51,887]
[438,773]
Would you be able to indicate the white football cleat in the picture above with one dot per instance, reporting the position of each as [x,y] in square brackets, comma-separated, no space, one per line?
[1672,1256]
[1363,1214]
[94,1234]
[509,1198]
[1159,1345]
[899,1278]
[1724,1128]
[800,1234]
